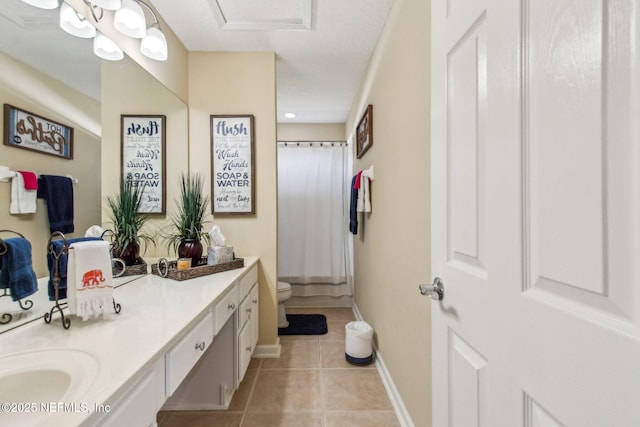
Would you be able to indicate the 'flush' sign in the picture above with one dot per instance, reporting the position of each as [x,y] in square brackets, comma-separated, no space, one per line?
[233,164]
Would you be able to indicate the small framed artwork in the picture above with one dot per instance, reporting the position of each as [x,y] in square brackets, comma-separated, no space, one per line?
[364,132]
[233,166]
[30,131]
[143,158]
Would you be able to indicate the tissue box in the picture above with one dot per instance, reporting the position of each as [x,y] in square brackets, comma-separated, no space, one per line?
[219,254]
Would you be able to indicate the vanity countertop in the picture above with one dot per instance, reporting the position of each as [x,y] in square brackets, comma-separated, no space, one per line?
[155,313]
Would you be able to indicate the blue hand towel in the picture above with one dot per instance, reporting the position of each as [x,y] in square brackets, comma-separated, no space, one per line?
[353,215]
[62,266]
[16,269]
[58,192]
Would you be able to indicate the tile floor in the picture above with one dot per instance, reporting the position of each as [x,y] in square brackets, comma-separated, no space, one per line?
[310,385]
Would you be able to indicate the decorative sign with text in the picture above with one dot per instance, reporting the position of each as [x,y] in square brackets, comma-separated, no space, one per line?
[27,130]
[233,165]
[143,158]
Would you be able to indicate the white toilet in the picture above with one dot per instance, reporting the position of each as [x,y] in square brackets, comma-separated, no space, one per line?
[284,293]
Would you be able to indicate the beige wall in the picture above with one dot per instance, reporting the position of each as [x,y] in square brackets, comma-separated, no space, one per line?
[242,83]
[32,91]
[311,132]
[392,248]
[129,89]
[219,83]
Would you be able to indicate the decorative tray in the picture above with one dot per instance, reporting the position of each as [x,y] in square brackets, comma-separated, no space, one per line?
[129,270]
[169,269]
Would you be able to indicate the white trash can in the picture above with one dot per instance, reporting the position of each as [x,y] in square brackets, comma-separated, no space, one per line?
[358,348]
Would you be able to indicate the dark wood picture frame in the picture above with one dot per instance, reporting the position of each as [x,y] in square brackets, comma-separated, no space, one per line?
[364,132]
[143,158]
[233,187]
[23,129]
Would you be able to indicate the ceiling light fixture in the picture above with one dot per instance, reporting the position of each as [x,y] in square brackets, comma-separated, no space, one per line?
[43,4]
[154,45]
[75,24]
[107,4]
[105,48]
[129,19]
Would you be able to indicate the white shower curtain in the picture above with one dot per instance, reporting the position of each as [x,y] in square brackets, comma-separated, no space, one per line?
[313,238]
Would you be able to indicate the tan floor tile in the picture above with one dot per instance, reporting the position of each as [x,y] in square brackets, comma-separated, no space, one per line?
[283,420]
[241,395]
[298,337]
[286,391]
[310,377]
[361,419]
[332,355]
[336,331]
[255,363]
[354,389]
[295,354]
[201,419]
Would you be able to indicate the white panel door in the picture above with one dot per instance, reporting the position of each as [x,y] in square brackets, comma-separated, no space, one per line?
[536,212]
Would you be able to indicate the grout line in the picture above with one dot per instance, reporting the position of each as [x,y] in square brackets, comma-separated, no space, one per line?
[321,385]
[250,396]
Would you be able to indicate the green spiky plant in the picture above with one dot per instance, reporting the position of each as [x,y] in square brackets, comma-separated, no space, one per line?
[128,223]
[189,220]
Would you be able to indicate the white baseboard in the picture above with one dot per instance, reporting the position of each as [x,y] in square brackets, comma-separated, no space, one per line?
[396,401]
[268,351]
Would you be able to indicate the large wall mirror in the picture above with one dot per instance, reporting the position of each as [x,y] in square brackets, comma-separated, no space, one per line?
[31,39]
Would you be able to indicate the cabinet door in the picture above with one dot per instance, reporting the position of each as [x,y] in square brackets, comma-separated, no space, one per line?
[255,316]
[244,350]
[138,406]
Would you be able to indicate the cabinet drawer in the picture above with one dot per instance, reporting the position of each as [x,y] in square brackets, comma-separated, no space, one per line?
[224,309]
[182,356]
[248,280]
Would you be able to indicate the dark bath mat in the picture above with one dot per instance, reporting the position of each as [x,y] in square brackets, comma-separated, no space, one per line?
[305,324]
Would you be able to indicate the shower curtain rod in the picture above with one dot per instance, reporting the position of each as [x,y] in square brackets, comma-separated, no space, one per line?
[311,143]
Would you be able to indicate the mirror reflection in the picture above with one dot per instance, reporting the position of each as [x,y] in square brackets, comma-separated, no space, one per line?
[55,75]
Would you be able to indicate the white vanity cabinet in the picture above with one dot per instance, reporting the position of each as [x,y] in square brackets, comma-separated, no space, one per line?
[139,404]
[174,344]
[184,354]
[248,330]
[213,380]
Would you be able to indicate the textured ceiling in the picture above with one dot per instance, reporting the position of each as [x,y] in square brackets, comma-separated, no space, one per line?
[322,46]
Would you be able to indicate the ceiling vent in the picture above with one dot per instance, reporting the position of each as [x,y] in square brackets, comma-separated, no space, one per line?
[263,15]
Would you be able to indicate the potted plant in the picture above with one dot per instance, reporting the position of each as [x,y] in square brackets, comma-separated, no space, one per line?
[127,223]
[188,222]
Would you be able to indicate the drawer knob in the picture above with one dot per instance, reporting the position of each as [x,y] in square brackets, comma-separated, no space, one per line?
[231,306]
[249,348]
[200,346]
[255,301]
[249,310]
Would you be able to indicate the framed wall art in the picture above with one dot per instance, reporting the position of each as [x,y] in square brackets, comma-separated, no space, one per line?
[364,132]
[32,132]
[233,165]
[143,158]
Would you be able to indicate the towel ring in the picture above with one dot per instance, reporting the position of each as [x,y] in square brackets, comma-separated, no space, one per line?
[3,245]
[163,267]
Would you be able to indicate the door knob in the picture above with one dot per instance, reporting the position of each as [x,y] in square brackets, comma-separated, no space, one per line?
[435,290]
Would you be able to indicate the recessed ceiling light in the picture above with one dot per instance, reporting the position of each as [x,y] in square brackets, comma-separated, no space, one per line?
[290,115]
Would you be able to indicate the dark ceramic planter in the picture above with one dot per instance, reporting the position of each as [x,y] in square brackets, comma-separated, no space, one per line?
[130,255]
[190,248]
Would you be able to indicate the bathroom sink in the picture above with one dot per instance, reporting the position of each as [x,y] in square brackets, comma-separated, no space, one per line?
[33,384]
